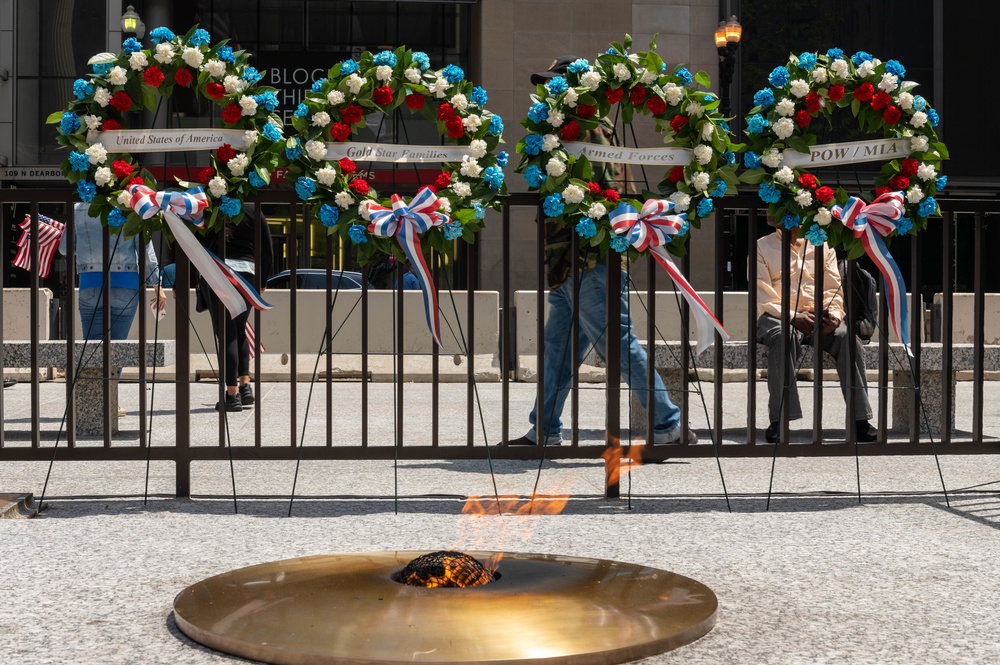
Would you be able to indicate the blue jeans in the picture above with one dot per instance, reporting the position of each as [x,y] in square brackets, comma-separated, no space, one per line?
[593,313]
[124,303]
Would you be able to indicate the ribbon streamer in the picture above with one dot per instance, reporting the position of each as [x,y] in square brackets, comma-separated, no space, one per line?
[49,234]
[651,229]
[871,222]
[407,222]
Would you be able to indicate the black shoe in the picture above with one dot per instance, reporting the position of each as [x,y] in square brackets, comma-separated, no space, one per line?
[246,394]
[9,383]
[772,432]
[864,432]
[523,441]
[233,403]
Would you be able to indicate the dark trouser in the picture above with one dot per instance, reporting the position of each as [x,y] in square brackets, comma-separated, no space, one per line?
[234,349]
[769,334]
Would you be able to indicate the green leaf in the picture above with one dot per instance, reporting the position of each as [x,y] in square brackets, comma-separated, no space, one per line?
[703,79]
[797,143]
[855,107]
[753,176]
[54,118]
[842,196]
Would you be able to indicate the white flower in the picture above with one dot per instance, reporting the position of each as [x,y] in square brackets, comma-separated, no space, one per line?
[785,107]
[192,57]
[621,71]
[866,69]
[316,150]
[93,121]
[645,76]
[217,186]
[439,86]
[335,97]
[238,164]
[234,84]
[102,96]
[819,75]
[876,62]
[164,53]
[97,154]
[249,105]
[926,172]
[355,83]
[326,175]
[703,153]
[555,167]
[215,68]
[700,181]
[905,101]
[321,119]
[681,201]
[472,122]
[707,131]
[823,216]
[478,148]
[444,205]
[124,199]
[839,67]
[571,98]
[804,198]
[673,93]
[460,102]
[461,188]
[573,194]
[591,79]
[695,110]
[784,175]
[597,211]
[889,82]
[799,88]
[365,208]
[550,142]
[470,167]
[915,194]
[383,72]
[117,76]
[555,117]
[784,128]
[412,75]
[919,119]
[102,176]
[772,158]
[250,137]
[138,61]
[918,144]
[343,199]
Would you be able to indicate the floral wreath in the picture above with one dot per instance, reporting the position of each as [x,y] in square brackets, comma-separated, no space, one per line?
[132,80]
[567,106]
[809,87]
[336,107]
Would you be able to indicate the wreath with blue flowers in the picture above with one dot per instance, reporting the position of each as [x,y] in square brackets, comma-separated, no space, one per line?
[336,108]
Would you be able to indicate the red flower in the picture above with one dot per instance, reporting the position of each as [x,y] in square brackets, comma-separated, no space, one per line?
[225,153]
[656,105]
[881,100]
[352,114]
[415,101]
[678,123]
[455,128]
[676,174]
[215,90]
[347,165]
[586,111]
[153,76]
[909,167]
[205,175]
[892,115]
[615,94]
[611,195]
[836,93]
[359,185]
[899,182]
[864,92]
[445,112]
[110,125]
[808,180]
[570,131]
[825,194]
[802,118]
[443,180]
[879,191]
[340,132]
[135,181]
[122,169]
[813,102]
[231,114]
[382,95]
[593,188]
[183,77]
[638,95]
[121,101]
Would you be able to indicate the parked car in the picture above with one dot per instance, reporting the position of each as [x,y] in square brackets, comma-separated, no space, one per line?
[315,278]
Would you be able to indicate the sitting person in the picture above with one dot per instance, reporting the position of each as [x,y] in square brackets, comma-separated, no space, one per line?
[804,322]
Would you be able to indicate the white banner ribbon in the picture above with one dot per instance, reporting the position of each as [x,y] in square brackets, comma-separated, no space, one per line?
[610,153]
[167,140]
[831,154]
[398,154]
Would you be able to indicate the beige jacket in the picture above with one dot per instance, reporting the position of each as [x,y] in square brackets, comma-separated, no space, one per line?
[803,264]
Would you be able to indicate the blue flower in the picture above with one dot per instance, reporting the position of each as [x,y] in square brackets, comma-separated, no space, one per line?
[556,85]
[305,187]
[903,226]
[894,67]
[161,34]
[348,67]
[453,73]
[927,207]
[421,60]
[686,75]
[835,53]
[553,205]
[919,103]
[756,124]
[859,57]
[768,193]
[496,125]
[807,61]
[685,227]
[267,99]
[724,125]
[730,157]
[778,77]
[613,51]
[102,68]
[271,133]
[82,88]
[200,38]
[539,112]
[357,234]
[293,151]
[751,160]
[230,206]
[302,110]
[255,180]
[385,58]
[225,54]
[493,177]
[70,123]
[79,162]
[502,159]
[790,221]
[317,85]
[586,228]
[941,182]
[86,190]
[251,75]
[479,96]
[763,98]
[116,218]
[478,211]
[720,189]
[705,207]
[453,230]
[816,235]
[329,214]
[534,176]
[131,45]
[933,117]
[532,143]
[620,244]
[578,65]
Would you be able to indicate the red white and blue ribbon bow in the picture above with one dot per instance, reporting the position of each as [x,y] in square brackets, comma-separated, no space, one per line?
[871,222]
[233,291]
[651,229]
[407,222]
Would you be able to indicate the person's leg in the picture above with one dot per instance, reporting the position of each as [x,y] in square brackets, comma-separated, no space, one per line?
[769,334]
[836,346]
[124,303]
[556,361]
[91,320]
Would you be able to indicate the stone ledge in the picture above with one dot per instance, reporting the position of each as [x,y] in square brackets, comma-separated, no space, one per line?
[52,353]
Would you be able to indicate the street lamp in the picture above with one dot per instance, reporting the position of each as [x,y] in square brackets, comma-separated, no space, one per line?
[727,40]
[132,24]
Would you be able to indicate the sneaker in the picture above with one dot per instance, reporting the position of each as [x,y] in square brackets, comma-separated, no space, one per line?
[121,411]
[233,403]
[772,432]
[9,383]
[864,432]
[246,394]
[674,436]
[526,441]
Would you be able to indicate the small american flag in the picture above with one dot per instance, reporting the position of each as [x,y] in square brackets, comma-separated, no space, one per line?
[49,233]
[251,339]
